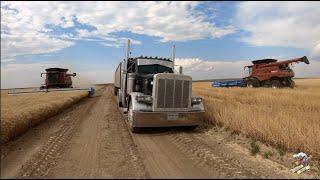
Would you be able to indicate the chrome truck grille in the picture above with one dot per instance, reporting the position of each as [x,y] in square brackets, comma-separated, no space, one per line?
[171,92]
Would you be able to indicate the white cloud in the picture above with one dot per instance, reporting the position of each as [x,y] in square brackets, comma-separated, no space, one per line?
[316,52]
[286,24]
[118,42]
[21,32]
[310,70]
[202,69]
[195,64]
[23,75]
[7,59]
[104,76]
[168,20]
[14,45]
[24,27]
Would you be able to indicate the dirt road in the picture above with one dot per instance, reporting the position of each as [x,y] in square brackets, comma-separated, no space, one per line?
[91,140]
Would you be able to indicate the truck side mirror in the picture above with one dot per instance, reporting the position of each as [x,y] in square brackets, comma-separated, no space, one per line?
[74,74]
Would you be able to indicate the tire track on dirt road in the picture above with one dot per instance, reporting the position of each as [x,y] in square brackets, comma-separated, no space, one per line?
[225,159]
[175,153]
[101,147]
[32,153]
[204,156]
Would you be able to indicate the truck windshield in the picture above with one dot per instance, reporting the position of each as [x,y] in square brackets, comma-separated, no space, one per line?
[153,69]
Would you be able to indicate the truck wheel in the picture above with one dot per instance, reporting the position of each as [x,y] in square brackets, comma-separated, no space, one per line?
[131,119]
[275,84]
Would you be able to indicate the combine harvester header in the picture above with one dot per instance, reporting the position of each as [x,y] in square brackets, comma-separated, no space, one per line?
[57,79]
[229,83]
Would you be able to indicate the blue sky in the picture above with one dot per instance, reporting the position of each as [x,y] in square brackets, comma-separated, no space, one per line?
[89,37]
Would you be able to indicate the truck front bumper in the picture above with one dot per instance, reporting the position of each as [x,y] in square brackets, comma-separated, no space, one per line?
[167,119]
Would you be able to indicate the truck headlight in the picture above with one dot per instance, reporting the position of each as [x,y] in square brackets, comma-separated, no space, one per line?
[196,100]
[144,99]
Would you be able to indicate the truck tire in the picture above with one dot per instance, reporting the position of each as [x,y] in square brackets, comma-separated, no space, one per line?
[131,119]
[292,84]
[275,84]
[250,84]
[266,84]
[253,83]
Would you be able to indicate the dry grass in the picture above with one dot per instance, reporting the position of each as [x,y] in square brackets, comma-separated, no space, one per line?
[282,117]
[20,112]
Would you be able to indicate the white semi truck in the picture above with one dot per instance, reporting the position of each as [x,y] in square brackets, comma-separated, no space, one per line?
[154,94]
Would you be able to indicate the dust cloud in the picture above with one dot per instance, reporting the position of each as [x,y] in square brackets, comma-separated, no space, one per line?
[81,81]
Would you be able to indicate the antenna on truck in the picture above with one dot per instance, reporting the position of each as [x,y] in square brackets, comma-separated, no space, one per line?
[128,50]
[124,83]
[173,54]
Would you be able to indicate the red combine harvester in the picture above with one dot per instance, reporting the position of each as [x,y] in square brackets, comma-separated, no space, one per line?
[265,73]
[57,78]
[271,73]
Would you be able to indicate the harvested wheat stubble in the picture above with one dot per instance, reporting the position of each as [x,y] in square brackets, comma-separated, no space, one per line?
[286,117]
[20,112]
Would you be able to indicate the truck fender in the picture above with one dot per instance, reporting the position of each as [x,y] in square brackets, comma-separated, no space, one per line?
[136,106]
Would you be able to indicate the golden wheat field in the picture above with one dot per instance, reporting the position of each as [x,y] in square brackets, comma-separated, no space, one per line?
[20,112]
[283,117]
